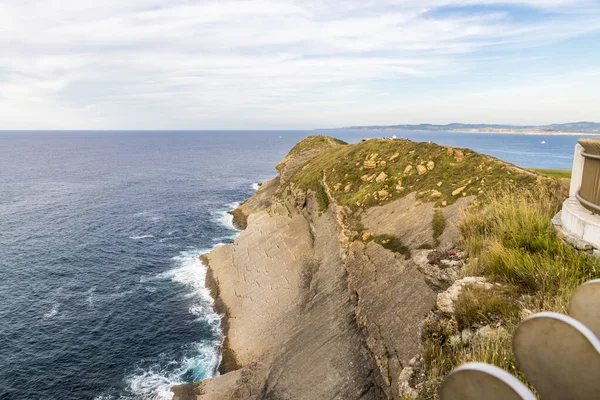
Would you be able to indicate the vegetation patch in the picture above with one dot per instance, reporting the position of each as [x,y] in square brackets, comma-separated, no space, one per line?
[314,142]
[514,242]
[322,197]
[439,224]
[477,305]
[391,243]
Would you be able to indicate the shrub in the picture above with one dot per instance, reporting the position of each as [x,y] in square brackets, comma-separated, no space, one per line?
[439,224]
[392,243]
[322,198]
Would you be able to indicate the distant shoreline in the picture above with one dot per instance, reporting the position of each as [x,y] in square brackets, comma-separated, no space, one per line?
[525,132]
[531,132]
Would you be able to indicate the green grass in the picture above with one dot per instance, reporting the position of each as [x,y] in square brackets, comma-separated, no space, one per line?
[322,198]
[481,306]
[514,242]
[439,224]
[314,142]
[349,166]
[509,239]
[553,173]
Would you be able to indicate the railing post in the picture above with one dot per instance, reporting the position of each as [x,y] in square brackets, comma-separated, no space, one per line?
[577,171]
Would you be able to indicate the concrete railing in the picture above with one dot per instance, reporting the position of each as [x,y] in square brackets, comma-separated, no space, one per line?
[589,190]
[558,354]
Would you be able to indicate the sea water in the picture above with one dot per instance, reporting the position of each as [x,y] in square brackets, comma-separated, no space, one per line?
[102,294]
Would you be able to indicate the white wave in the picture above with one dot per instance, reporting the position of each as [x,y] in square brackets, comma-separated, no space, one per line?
[53,311]
[255,186]
[90,297]
[191,272]
[225,218]
[155,383]
[141,237]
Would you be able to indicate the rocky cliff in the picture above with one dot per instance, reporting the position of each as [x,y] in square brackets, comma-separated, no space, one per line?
[324,290]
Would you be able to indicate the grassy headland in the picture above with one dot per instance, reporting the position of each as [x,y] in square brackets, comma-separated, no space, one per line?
[380,170]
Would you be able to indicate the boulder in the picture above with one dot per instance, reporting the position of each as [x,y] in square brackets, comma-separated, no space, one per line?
[381,177]
[435,194]
[370,164]
[430,165]
[392,158]
[422,170]
[445,300]
[459,155]
[348,188]
[404,389]
[382,194]
[408,169]
[458,191]
[366,235]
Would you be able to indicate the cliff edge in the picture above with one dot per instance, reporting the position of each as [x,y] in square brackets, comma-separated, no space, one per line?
[324,291]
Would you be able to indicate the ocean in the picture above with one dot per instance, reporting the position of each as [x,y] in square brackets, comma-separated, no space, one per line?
[102,294]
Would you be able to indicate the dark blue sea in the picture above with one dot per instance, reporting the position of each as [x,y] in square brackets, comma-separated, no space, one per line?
[102,294]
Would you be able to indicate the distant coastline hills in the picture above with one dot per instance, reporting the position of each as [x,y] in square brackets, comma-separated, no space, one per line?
[571,127]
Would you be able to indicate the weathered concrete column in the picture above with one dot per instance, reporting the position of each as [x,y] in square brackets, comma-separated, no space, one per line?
[577,171]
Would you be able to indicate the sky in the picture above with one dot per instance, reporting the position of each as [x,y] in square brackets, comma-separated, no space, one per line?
[291,64]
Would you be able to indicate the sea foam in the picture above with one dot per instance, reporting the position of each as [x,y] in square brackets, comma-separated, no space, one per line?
[226,219]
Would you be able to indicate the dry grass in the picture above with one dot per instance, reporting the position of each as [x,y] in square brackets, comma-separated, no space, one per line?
[477,305]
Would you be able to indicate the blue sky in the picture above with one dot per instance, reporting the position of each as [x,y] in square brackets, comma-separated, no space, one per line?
[184,64]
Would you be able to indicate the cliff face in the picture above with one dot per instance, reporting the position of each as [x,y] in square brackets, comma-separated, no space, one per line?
[325,289]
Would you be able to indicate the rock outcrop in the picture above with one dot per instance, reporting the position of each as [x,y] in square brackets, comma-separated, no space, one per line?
[324,291]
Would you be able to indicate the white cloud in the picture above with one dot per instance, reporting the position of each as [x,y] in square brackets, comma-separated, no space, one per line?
[223,64]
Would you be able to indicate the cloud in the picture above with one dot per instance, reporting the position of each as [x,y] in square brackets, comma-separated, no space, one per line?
[222,64]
